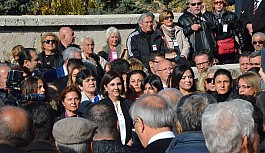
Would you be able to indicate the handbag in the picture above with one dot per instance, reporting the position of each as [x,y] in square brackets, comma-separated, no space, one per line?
[226,46]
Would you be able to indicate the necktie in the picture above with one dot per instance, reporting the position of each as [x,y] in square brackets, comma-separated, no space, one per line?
[255,6]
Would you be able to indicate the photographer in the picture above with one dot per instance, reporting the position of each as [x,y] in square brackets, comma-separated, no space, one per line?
[197,24]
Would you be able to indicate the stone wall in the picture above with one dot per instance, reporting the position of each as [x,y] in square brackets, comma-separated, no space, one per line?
[27,30]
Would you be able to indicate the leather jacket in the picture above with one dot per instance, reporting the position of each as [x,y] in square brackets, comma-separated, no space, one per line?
[141,46]
[207,21]
[234,27]
[56,61]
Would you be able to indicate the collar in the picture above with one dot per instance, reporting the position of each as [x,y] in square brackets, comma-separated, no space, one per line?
[162,135]
[65,70]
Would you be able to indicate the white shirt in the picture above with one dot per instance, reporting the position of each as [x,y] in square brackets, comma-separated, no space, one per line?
[121,121]
[162,135]
[65,70]
[258,3]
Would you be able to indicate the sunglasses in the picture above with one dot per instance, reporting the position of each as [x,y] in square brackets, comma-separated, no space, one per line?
[218,2]
[194,4]
[167,17]
[255,42]
[209,80]
[50,41]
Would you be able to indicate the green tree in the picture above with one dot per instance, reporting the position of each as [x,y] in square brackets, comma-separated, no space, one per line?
[15,7]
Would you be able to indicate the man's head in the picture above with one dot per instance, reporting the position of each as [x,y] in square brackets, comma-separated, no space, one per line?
[258,40]
[146,22]
[120,65]
[244,62]
[163,69]
[73,134]
[195,6]
[229,126]
[4,68]
[71,52]
[172,95]
[105,119]
[87,45]
[154,58]
[255,59]
[43,120]
[151,114]
[67,36]
[28,58]
[16,126]
[203,61]
[189,111]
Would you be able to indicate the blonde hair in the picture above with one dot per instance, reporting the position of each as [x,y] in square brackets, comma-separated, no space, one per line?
[136,64]
[252,79]
[17,50]
[49,34]
[201,82]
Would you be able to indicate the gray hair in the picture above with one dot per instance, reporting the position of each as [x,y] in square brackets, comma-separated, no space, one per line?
[109,31]
[224,125]
[69,53]
[5,64]
[154,111]
[73,148]
[255,54]
[82,41]
[172,95]
[190,109]
[258,34]
[144,15]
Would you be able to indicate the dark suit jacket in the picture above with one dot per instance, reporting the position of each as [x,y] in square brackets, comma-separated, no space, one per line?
[158,146]
[61,83]
[51,75]
[257,19]
[4,148]
[125,107]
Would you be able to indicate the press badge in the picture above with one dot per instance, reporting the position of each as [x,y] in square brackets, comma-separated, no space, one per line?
[225,27]
[175,43]
[154,47]
[114,55]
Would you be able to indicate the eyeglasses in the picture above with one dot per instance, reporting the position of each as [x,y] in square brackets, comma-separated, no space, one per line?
[209,80]
[218,2]
[255,42]
[50,41]
[166,69]
[243,86]
[167,17]
[203,63]
[194,4]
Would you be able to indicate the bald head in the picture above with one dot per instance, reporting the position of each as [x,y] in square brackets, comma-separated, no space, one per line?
[67,36]
[16,126]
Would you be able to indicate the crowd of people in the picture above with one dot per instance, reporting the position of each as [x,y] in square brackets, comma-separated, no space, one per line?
[142,97]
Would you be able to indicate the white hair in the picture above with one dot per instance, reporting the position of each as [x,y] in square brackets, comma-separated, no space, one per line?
[224,125]
[73,148]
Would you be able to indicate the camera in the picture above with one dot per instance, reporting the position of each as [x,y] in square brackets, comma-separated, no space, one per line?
[13,91]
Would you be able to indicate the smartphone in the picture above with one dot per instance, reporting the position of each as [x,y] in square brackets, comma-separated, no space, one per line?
[262,51]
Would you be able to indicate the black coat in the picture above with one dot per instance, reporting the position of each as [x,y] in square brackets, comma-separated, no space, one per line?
[125,107]
[56,60]
[4,148]
[141,46]
[234,27]
[207,21]
[158,146]
[108,146]
[257,19]
[40,147]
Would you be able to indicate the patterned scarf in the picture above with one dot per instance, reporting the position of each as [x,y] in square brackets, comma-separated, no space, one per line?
[169,31]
